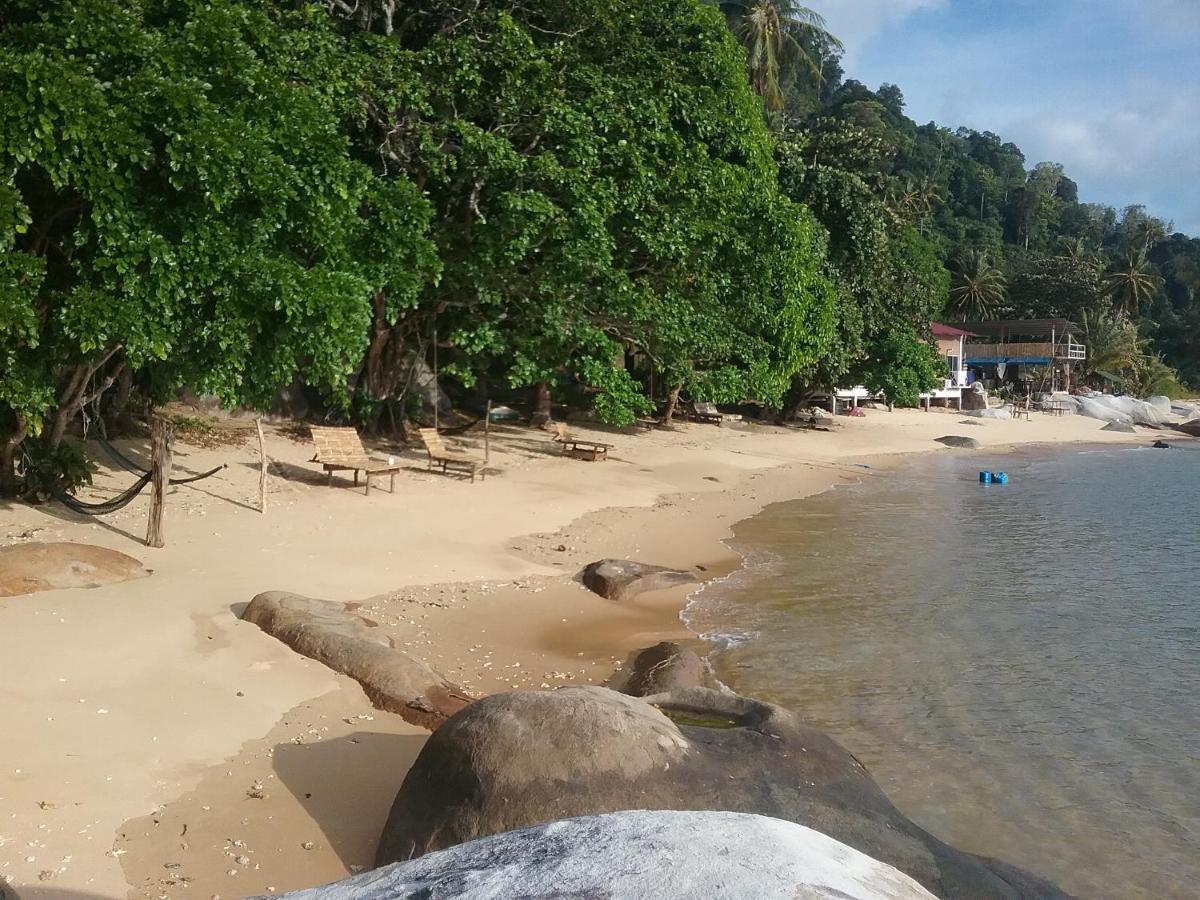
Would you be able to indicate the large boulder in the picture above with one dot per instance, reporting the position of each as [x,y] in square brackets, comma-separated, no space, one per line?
[329,633]
[975,397]
[33,567]
[958,441]
[667,666]
[621,579]
[639,854]
[525,758]
[1162,405]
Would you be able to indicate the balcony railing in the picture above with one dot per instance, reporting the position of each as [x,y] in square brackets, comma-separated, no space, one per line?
[1019,350]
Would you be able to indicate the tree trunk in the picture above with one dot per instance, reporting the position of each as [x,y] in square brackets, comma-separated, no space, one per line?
[160,466]
[114,416]
[8,458]
[541,404]
[672,403]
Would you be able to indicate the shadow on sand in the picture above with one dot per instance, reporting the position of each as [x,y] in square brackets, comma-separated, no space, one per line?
[45,892]
[347,785]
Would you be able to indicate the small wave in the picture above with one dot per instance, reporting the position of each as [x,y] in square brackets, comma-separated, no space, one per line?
[728,640]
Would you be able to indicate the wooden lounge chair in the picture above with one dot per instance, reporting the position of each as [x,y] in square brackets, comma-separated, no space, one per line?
[445,459]
[341,449]
[589,450]
[707,413]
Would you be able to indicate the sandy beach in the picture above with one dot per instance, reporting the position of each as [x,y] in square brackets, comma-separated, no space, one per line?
[157,746]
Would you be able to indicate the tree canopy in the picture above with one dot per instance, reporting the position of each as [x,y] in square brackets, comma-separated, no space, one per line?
[621,203]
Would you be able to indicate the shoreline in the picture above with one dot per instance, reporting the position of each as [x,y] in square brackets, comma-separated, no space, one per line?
[464,628]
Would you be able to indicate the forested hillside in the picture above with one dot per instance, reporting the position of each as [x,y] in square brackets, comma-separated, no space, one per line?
[617,203]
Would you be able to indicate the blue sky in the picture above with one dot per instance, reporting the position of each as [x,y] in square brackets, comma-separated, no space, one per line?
[1109,88]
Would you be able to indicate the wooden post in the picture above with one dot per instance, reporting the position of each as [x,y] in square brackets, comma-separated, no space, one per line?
[487,432]
[160,469]
[262,469]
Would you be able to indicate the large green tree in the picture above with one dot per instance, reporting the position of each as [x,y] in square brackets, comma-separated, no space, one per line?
[604,187]
[177,196]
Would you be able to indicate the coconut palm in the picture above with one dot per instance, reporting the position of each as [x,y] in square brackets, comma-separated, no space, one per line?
[1130,284]
[1112,343]
[769,29]
[977,287]
[1075,248]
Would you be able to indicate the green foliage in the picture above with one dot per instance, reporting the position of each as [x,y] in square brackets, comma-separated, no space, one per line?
[178,195]
[65,467]
[777,35]
[1055,286]
[977,288]
[903,366]
[603,186]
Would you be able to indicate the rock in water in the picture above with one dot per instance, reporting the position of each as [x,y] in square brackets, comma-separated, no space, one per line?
[664,667]
[328,633]
[529,757]
[33,567]
[957,440]
[639,854]
[621,579]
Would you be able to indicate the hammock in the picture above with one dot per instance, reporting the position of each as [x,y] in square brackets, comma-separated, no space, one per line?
[130,466]
[105,507]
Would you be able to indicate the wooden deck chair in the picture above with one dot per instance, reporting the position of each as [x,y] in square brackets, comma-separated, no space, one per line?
[589,450]
[444,459]
[341,449]
[708,413]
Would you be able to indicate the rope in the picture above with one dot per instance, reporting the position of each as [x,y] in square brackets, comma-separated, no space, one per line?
[207,474]
[130,466]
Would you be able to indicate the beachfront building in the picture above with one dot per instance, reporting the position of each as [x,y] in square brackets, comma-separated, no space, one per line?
[951,343]
[1038,353]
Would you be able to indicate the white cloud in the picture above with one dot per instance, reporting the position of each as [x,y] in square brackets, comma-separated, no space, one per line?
[857,22]
[1109,88]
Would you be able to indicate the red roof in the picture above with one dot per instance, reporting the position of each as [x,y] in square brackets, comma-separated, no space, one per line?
[948,331]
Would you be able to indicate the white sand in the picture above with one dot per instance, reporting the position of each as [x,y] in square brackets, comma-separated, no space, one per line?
[118,700]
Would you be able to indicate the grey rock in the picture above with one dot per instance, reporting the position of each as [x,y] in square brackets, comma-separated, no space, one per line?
[975,397]
[957,440]
[664,667]
[331,634]
[529,757]
[639,854]
[1125,427]
[621,579]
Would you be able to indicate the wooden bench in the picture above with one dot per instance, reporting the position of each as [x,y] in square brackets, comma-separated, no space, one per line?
[707,413]
[445,460]
[341,450]
[589,450]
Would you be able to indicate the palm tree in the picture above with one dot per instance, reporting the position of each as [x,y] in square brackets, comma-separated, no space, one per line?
[1075,248]
[1130,283]
[769,29]
[1112,342]
[976,286]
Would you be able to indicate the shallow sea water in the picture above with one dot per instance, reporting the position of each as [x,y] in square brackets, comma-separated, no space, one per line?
[1018,666]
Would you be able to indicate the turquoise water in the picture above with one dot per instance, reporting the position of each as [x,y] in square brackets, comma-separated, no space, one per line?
[1018,666]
